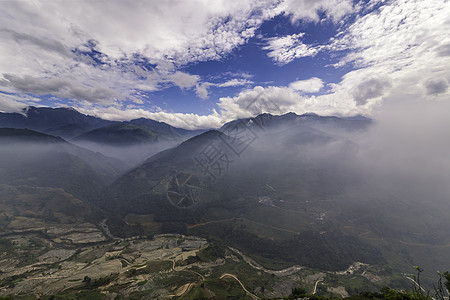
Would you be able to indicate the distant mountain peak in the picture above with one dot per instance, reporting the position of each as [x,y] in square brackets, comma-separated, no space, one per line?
[64,121]
[264,115]
[309,114]
[25,110]
[213,133]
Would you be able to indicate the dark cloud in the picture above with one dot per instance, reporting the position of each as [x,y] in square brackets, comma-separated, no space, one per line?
[368,89]
[436,86]
[61,87]
[443,50]
[48,44]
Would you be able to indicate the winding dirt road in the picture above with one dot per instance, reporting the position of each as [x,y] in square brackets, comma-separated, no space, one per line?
[315,286]
[243,287]
[189,271]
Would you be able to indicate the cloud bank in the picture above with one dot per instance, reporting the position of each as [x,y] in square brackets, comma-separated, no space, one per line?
[104,55]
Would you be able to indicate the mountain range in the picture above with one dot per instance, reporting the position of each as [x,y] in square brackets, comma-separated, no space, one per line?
[131,141]
[289,189]
[68,123]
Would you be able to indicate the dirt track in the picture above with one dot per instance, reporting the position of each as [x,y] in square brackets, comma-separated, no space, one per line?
[243,287]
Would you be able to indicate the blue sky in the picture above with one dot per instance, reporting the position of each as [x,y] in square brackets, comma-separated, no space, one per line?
[199,63]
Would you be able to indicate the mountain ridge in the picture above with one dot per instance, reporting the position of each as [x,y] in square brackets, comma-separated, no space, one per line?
[70,123]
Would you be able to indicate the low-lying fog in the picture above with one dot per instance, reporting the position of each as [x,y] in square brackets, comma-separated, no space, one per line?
[132,155]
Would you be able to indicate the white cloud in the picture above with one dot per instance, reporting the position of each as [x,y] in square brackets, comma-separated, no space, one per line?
[312,85]
[181,120]
[43,43]
[15,103]
[400,48]
[398,34]
[402,43]
[46,40]
[235,82]
[202,90]
[183,80]
[248,103]
[46,47]
[400,51]
[281,100]
[285,49]
[238,74]
[180,31]
[308,9]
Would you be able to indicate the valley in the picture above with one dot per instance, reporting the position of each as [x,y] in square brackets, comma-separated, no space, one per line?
[243,149]
[49,262]
[299,207]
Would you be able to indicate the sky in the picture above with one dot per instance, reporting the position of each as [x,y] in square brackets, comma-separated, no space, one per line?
[198,63]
